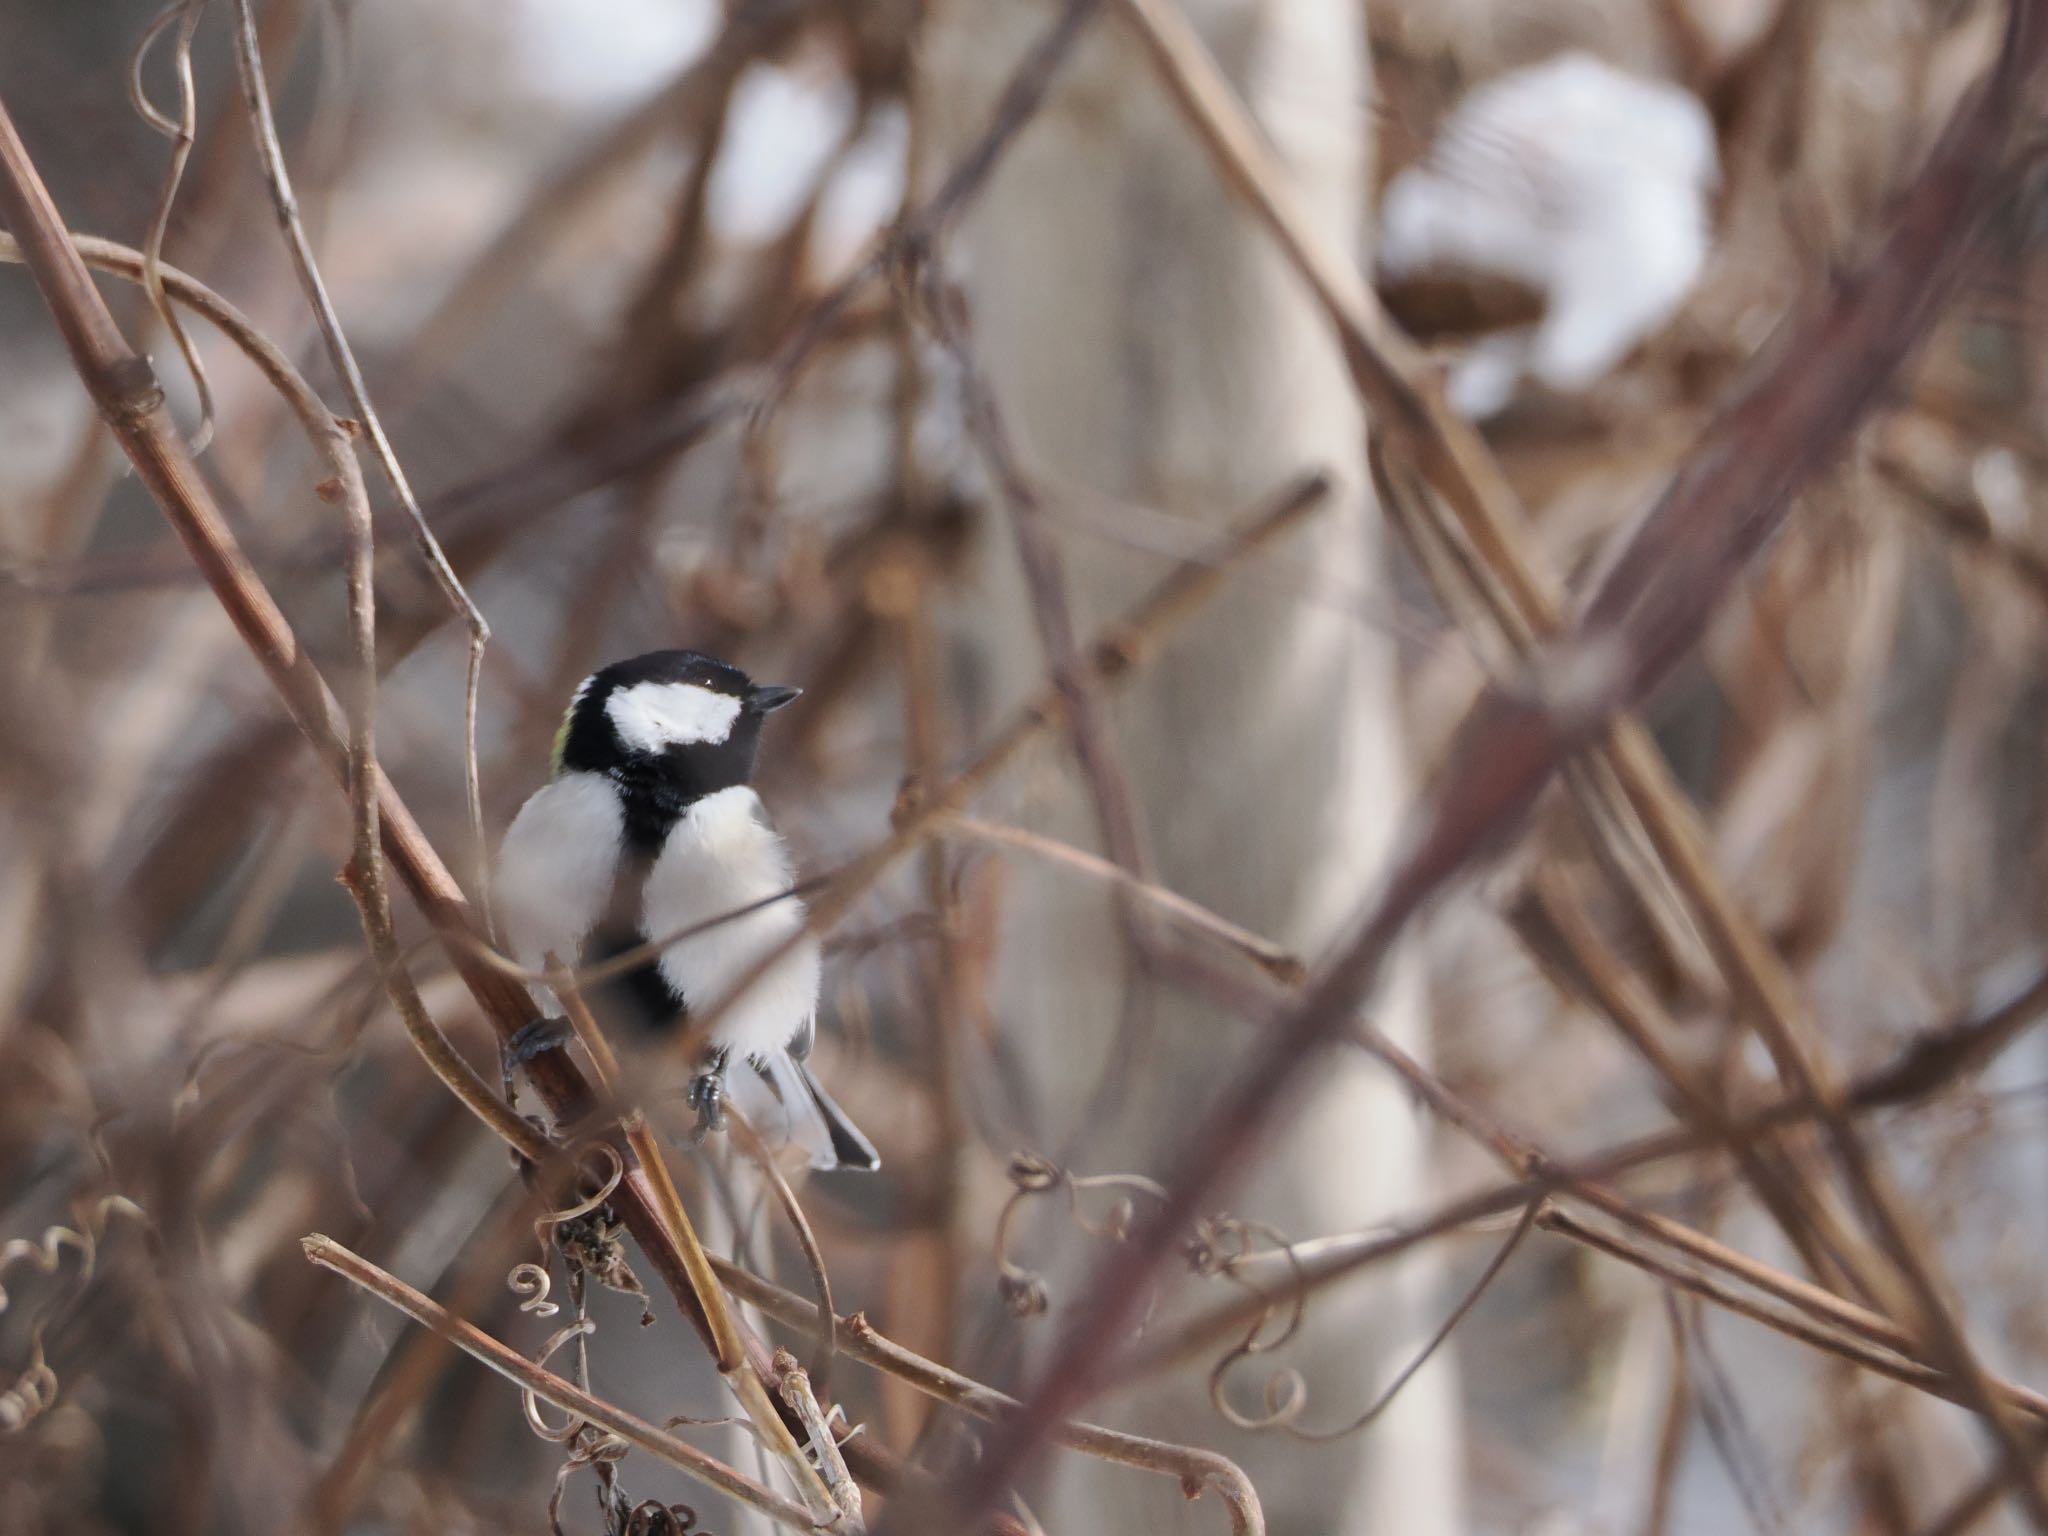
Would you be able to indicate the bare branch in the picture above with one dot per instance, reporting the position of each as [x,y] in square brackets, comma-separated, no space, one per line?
[552,1389]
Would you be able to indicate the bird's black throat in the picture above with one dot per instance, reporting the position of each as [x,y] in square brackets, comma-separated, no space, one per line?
[653,795]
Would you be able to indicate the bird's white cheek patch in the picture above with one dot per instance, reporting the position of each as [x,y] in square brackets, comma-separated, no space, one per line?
[651,716]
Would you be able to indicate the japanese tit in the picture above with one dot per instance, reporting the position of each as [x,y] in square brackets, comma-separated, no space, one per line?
[647,828]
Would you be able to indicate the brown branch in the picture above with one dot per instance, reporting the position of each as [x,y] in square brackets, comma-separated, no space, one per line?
[550,1388]
[762,1156]
[183,132]
[1904,1369]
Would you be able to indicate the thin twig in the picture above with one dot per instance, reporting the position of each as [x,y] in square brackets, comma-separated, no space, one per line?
[1196,1469]
[1280,963]
[256,91]
[763,1159]
[182,131]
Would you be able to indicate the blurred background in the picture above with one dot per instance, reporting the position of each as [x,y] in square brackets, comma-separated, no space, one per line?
[894,350]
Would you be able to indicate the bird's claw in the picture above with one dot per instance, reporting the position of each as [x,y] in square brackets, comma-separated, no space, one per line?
[535,1039]
[707,1097]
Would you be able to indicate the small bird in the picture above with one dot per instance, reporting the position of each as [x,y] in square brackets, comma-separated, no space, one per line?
[648,832]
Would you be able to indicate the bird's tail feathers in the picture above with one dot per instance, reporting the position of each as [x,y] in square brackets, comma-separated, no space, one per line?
[815,1121]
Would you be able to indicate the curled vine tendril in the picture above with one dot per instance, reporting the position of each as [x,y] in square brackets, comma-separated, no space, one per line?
[615,1172]
[33,1391]
[1222,1246]
[533,1283]
[535,1419]
[1023,1290]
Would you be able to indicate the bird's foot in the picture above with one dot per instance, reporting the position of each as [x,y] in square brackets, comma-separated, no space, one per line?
[531,1040]
[707,1097]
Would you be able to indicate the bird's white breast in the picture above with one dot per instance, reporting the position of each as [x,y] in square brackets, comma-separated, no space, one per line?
[556,867]
[720,856]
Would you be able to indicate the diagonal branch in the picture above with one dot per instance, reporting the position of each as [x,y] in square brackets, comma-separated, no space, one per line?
[550,1388]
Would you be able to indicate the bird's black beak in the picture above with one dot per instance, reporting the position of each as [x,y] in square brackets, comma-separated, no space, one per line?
[765,700]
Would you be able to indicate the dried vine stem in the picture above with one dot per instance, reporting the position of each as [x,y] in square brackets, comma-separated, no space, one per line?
[46,1253]
[33,1390]
[1195,1469]
[1922,1068]
[1519,1153]
[183,132]
[331,442]
[1542,1170]
[256,92]
[552,1389]
[1286,1395]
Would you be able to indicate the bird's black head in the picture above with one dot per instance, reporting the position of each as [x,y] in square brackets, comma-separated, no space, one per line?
[667,727]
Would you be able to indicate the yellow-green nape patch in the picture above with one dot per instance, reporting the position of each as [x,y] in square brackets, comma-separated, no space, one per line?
[561,741]
[561,746]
